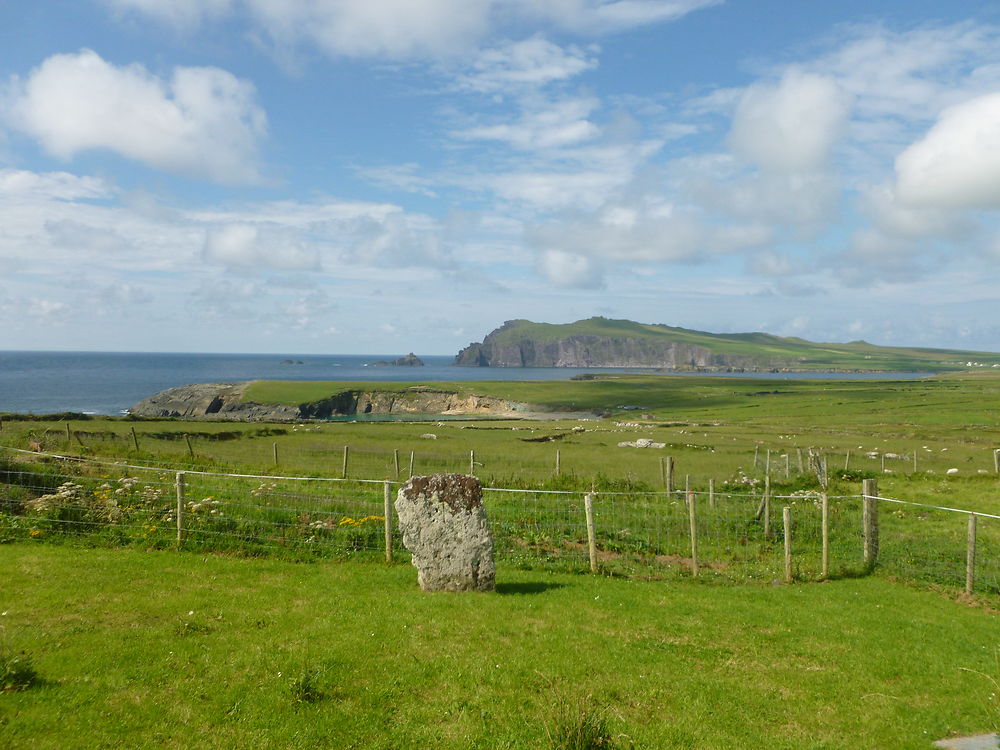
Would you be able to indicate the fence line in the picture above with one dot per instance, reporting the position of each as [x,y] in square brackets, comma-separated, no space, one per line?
[660,533]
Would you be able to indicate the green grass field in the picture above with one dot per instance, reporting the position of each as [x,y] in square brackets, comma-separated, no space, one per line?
[274,624]
[172,649]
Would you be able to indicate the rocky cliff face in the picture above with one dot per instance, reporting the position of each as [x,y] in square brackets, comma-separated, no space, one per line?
[597,351]
[225,401]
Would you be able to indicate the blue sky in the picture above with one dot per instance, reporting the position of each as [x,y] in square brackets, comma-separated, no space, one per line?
[339,176]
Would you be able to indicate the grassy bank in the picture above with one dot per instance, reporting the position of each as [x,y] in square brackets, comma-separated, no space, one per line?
[165,649]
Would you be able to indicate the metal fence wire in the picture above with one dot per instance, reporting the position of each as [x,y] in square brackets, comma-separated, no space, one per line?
[727,537]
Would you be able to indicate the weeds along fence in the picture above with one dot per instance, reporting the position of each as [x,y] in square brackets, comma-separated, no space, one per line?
[729,537]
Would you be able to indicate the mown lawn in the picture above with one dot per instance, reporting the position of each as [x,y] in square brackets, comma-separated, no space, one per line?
[165,649]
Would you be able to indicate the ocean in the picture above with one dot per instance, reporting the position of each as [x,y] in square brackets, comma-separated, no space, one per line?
[111,382]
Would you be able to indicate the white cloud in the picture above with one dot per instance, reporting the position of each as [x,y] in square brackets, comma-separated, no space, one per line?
[255,247]
[543,125]
[19,185]
[531,62]
[570,270]
[415,29]
[957,163]
[609,16]
[395,29]
[203,122]
[789,126]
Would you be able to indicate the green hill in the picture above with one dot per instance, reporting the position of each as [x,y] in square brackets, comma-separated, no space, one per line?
[603,342]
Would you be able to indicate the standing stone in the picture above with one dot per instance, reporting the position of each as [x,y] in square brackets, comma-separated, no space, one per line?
[444,526]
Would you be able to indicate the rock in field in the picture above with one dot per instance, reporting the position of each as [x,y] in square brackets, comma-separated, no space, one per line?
[444,526]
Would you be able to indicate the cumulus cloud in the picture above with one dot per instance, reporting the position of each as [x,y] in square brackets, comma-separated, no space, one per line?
[255,247]
[957,163]
[655,233]
[570,270]
[789,126]
[202,122]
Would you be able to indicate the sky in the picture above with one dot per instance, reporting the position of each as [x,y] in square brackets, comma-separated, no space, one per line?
[386,176]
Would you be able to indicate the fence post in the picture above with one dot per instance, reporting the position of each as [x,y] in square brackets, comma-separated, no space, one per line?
[693,523]
[388,521]
[687,488]
[756,455]
[187,439]
[343,470]
[767,506]
[767,463]
[588,507]
[996,460]
[670,474]
[711,494]
[558,468]
[825,565]
[472,463]
[135,440]
[411,463]
[798,452]
[395,460]
[970,556]
[788,466]
[180,507]
[69,437]
[786,519]
[847,460]
[274,450]
[869,517]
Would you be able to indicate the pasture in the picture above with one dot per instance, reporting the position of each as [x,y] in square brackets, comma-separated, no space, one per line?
[251,631]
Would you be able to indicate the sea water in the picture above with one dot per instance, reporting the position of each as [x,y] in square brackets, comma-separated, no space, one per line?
[111,382]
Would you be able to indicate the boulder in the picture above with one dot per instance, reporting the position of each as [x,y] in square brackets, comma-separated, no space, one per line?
[444,526]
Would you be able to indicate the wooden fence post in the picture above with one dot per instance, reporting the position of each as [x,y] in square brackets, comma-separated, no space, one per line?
[69,436]
[187,439]
[798,452]
[395,460]
[788,466]
[970,555]
[180,507]
[274,450]
[847,460]
[711,494]
[388,521]
[825,566]
[869,517]
[767,506]
[996,460]
[786,519]
[411,463]
[558,468]
[588,507]
[670,474]
[767,463]
[135,439]
[693,523]
[343,470]
[756,455]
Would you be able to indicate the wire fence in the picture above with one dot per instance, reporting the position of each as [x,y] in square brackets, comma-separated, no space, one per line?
[728,537]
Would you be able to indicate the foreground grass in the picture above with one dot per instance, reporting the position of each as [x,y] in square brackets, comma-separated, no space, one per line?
[172,649]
